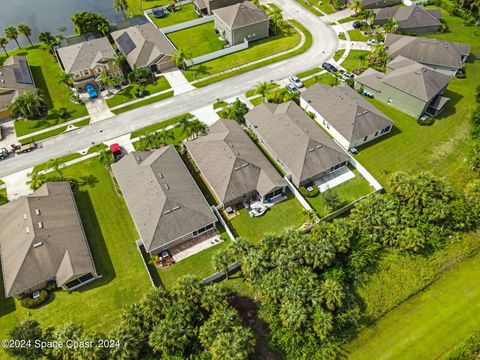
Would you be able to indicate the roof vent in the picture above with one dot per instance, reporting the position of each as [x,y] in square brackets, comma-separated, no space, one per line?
[27,230]
[319,146]
[167,212]
[40,225]
[37,244]
[167,187]
[244,165]
[24,216]
[175,208]
[37,211]
[138,158]
[311,149]
[161,175]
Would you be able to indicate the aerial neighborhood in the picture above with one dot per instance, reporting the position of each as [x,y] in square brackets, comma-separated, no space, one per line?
[234,180]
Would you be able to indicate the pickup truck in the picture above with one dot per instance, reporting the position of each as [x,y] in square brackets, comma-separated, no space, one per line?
[20,149]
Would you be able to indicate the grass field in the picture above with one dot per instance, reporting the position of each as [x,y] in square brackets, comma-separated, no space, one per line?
[197,40]
[357,35]
[141,103]
[47,74]
[288,213]
[128,94]
[136,7]
[440,148]
[354,60]
[111,239]
[429,324]
[159,125]
[182,14]
[51,133]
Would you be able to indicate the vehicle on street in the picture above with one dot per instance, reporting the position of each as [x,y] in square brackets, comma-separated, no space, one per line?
[292,88]
[358,24]
[24,148]
[3,153]
[296,81]
[91,91]
[329,67]
[116,152]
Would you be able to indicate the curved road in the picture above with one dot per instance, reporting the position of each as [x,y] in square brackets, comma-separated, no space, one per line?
[324,44]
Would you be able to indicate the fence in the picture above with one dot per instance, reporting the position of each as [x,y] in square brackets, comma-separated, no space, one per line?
[141,250]
[297,194]
[372,181]
[219,276]
[187,24]
[217,54]
[224,224]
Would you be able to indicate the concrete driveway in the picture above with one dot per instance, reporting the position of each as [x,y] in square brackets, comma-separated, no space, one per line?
[178,81]
[98,109]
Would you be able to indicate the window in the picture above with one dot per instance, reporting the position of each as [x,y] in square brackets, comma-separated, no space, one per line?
[77,75]
[390,100]
[86,72]
[376,133]
[99,70]
[365,138]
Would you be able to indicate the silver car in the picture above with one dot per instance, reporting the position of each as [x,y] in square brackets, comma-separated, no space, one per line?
[296,81]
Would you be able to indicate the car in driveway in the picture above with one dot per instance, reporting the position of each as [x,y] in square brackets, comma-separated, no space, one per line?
[91,91]
[116,151]
[296,81]
[345,75]
[292,89]
[329,67]
[358,24]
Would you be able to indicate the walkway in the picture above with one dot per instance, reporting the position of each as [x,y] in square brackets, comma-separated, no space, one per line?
[178,81]
[334,179]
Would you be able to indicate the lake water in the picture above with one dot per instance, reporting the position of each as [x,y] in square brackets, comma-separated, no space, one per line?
[50,15]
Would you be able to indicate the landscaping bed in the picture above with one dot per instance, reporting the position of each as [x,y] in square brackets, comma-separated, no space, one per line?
[128,93]
[159,125]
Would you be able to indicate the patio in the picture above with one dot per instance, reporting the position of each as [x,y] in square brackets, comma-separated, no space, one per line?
[194,246]
[334,179]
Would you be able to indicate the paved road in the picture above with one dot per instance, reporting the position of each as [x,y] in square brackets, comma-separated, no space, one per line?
[324,44]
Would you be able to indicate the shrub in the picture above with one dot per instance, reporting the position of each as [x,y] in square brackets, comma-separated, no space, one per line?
[306,193]
[427,122]
[30,303]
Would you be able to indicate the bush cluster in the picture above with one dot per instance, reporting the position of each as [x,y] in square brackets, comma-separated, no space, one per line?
[29,302]
[306,193]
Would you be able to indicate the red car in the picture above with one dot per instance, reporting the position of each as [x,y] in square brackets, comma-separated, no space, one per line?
[116,151]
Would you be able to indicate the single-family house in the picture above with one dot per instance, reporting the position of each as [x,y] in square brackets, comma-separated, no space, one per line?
[15,78]
[414,19]
[145,46]
[301,148]
[345,114]
[206,7]
[373,4]
[407,85]
[166,204]
[233,166]
[239,22]
[42,240]
[445,56]
[86,61]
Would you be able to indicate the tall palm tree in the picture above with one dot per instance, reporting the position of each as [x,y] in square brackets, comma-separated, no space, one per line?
[357,6]
[48,39]
[276,21]
[28,104]
[322,322]
[3,44]
[11,33]
[390,26]
[180,58]
[66,79]
[198,127]
[121,5]
[25,30]
[310,215]
[221,260]
[332,293]
[369,17]
[262,89]
[55,165]
[165,136]
[36,180]
[236,344]
[185,124]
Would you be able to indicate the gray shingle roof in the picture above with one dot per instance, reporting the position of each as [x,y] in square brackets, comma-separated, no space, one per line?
[242,14]
[232,163]
[162,196]
[86,55]
[346,110]
[143,45]
[299,143]
[409,17]
[427,51]
[39,247]
[15,79]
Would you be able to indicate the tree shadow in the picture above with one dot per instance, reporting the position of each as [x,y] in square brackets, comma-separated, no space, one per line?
[89,180]
[7,305]
[96,241]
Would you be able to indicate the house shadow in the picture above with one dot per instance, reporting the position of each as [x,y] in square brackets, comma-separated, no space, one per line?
[394,132]
[96,241]
[41,84]
[450,107]
[7,305]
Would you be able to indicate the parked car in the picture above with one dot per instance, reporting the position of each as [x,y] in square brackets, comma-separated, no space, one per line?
[116,152]
[344,75]
[3,153]
[329,67]
[24,148]
[1,133]
[358,24]
[92,92]
[292,88]
[159,13]
[296,81]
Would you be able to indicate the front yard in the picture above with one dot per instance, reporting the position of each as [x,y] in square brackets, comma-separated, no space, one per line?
[288,213]
[356,59]
[128,94]
[182,14]
[197,40]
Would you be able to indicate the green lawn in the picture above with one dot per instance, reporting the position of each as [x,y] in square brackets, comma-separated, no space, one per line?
[353,60]
[287,39]
[182,14]
[134,5]
[148,101]
[219,104]
[357,35]
[51,133]
[325,78]
[348,192]
[347,19]
[112,243]
[159,125]
[47,74]
[429,324]
[440,148]
[128,93]
[197,40]
[280,216]
[309,72]
[338,54]
[307,4]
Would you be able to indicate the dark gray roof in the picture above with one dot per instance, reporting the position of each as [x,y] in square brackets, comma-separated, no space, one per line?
[41,238]
[371,78]
[162,196]
[15,79]
[346,110]
[299,143]
[242,14]
[427,51]
[143,45]
[232,163]
[86,55]
[409,17]
[370,4]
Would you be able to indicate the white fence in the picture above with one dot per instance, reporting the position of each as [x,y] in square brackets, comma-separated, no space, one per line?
[224,224]
[217,54]
[376,185]
[187,24]
[297,194]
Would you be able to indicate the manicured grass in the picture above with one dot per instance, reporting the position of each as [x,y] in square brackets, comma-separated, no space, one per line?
[348,192]
[47,74]
[353,60]
[182,14]
[288,213]
[430,323]
[178,137]
[325,78]
[274,7]
[134,5]
[219,104]
[148,101]
[159,125]
[459,32]
[325,7]
[48,134]
[4,193]
[341,36]
[253,92]
[197,40]
[128,93]
[347,19]
[256,100]
[287,39]
[112,242]
[309,72]
[307,4]
[338,54]
[357,35]
[442,148]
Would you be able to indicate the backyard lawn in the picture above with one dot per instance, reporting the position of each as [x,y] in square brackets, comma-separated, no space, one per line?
[137,7]
[288,213]
[47,74]
[441,148]
[197,40]
[112,243]
[182,14]
[128,93]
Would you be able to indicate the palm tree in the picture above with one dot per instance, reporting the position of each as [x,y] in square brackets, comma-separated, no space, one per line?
[186,126]
[25,30]
[214,297]
[180,58]
[105,158]
[48,39]
[66,79]
[121,5]
[276,21]
[68,332]
[36,180]
[332,293]
[369,17]
[237,344]
[198,127]
[165,136]
[12,34]
[262,89]
[357,6]
[55,165]
[322,322]
[221,260]
[28,105]
[104,28]
[310,215]
[3,44]
[236,111]
[390,26]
